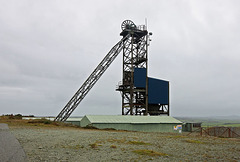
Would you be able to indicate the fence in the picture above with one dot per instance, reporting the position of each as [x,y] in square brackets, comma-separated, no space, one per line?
[230,132]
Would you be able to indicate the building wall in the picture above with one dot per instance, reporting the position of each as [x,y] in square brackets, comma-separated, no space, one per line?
[153,127]
[84,122]
[158,91]
[117,126]
[133,125]
[140,75]
[156,127]
[187,127]
[73,122]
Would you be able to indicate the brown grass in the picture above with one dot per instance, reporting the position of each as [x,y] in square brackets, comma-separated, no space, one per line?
[113,146]
[194,141]
[138,143]
[128,142]
[93,145]
[34,123]
[117,140]
[176,137]
[149,153]
[73,147]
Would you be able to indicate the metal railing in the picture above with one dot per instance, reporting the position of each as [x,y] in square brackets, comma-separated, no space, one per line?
[226,132]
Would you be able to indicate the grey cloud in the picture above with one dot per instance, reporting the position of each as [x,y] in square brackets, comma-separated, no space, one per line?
[48,49]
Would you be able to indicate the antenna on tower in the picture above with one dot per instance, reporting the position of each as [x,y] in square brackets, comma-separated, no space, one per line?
[146,23]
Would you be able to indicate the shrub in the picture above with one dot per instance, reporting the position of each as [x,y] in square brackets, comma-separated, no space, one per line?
[43,120]
[11,116]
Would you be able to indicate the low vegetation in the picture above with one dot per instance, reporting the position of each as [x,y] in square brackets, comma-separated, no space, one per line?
[76,147]
[16,120]
[125,141]
[93,145]
[113,146]
[149,153]
[138,143]
[53,142]
[194,141]
[43,120]
[117,140]
[11,116]
[178,136]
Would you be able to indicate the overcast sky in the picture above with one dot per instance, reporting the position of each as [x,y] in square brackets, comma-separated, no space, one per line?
[49,47]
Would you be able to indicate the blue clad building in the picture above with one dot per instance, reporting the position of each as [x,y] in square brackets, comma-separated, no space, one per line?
[158,91]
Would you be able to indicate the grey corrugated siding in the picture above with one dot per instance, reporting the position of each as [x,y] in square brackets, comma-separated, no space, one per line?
[130,119]
[117,123]
[73,122]
[85,122]
[139,127]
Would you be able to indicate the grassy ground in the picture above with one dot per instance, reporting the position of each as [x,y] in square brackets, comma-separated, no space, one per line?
[206,122]
[15,122]
[43,140]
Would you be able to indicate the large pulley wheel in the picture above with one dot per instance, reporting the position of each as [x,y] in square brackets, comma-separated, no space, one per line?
[128,24]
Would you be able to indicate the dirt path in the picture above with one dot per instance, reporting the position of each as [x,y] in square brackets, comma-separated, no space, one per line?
[75,144]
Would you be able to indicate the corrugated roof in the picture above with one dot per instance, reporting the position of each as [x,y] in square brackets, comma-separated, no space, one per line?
[131,119]
[74,119]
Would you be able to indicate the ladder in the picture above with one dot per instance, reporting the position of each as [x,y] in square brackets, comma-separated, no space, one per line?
[91,80]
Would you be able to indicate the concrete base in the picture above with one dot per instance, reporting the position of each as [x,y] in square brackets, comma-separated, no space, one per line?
[10,148]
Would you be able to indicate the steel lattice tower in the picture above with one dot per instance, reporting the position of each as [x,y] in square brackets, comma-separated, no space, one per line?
[144,96]
[135,55]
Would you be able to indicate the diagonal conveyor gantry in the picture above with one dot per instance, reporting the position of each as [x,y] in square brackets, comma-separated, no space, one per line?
[91,80]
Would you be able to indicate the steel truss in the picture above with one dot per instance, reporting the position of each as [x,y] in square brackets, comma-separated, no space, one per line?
[91,80]
[135,55]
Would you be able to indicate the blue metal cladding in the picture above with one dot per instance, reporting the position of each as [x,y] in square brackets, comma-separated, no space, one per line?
[140,75]
[158,91]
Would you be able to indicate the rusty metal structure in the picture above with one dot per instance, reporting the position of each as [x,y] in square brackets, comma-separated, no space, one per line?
[218,131]
[227,132]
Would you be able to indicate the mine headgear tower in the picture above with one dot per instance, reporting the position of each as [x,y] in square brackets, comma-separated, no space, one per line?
[141,95]
[135,83]
[135,55]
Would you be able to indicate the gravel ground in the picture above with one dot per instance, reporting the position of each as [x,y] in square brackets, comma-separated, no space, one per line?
[76,144]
